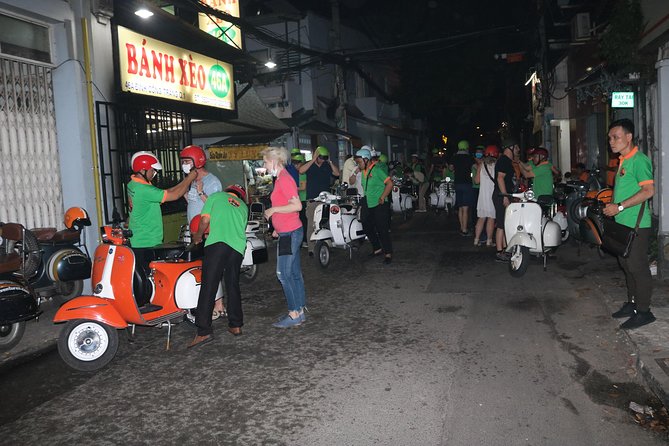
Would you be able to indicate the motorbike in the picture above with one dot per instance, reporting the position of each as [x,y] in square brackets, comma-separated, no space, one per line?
[18,302]
[443,195]
[529,230]
[89,340]
[402,197]
[64,261]
[336,223]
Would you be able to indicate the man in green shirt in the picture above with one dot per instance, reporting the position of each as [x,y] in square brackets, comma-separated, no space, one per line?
[225,215]
[146,219]
[541,170]
[376,209]
[634,185]
[298,161]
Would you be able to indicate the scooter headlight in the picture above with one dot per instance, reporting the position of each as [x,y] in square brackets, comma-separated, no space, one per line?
[529,195]
[323,196]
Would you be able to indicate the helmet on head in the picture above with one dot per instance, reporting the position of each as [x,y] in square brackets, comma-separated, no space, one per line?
[480,147]
[237,190]
[295,151]
[195,224]
[364,153]
[508,143]
[463,145]
[76,218]
[299,157]
[414,155]
[322,151]
[196,154]
[383,158]
[492,151]
[538,151]
[144,161]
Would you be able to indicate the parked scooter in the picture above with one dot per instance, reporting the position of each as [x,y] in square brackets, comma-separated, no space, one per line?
[529,231]
[64,262]
[89,340]
[18,302]
[336,224]
[443,195]
[402,197]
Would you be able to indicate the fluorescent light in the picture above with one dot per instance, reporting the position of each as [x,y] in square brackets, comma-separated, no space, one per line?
[270,64]
[143,12]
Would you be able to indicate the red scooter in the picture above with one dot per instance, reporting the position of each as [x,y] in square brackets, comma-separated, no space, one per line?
[89,340]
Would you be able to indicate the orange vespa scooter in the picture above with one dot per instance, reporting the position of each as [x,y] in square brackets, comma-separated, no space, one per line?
[89,340]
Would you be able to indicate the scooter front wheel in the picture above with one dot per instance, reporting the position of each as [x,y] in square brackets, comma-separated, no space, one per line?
[68,290]
[87,345]
[10,335]
[322,251]
[519,261]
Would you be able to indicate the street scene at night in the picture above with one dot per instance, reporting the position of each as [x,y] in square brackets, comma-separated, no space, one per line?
[341,222]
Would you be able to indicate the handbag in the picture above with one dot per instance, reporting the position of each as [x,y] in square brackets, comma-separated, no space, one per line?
[616,238]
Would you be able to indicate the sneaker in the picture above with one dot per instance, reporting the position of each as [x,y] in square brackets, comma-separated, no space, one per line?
[289,322]
[627,310]
[305,245]
[639,319]
[501,257]
[476,242]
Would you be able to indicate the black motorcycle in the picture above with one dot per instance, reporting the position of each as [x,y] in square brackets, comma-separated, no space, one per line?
[18,302]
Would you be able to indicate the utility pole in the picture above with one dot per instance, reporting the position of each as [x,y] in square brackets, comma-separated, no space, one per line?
[340,84]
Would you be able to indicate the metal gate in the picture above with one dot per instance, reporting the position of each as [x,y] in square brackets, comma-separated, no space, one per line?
[124,129]
[30,188]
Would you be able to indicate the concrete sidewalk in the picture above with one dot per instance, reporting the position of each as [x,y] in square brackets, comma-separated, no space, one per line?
[651,355]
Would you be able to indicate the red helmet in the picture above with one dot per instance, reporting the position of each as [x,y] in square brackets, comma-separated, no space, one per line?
[196,154]
[145,161]
[491,150]
[538,151]
[195,224]
[237,189]
[76,218]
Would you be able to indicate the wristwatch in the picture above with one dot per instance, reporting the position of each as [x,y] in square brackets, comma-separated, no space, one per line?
[200,193]
[620,207]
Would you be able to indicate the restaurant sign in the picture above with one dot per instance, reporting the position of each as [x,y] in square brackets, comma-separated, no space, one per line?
[154,68]
[239,153]
[219,28]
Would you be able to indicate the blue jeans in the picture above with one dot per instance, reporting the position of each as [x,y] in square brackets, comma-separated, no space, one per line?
[289,271]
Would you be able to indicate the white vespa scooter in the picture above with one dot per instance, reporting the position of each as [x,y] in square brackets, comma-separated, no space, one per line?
[401,198]
[528,232]
[336,224]
[443,195]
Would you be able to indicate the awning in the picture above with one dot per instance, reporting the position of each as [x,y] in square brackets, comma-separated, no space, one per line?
[254,120]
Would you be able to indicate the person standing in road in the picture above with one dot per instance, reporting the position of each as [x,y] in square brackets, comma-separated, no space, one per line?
[419,178]
[634,185]
[284,213]
[464,192]
[225,214]
[485,207]
[376,209]
[297,161]
[205,184]
[320,170]
[504,173]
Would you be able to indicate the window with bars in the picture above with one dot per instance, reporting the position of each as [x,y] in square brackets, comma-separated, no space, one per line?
[122,131]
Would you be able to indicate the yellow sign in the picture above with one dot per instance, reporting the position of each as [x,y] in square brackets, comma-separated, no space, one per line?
[218,28]
[236,153]
[154,68]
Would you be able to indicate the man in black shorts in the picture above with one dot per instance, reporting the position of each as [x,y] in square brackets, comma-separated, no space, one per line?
[503,185]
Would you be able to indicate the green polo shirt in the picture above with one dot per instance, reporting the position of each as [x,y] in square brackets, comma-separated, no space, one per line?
[475,185]
[382,166]
[146,219]
[302,193]
[634,171]
[373,183]
[227,220]
[543,179]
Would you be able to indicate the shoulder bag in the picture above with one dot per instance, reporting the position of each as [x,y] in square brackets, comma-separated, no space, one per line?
[616,238]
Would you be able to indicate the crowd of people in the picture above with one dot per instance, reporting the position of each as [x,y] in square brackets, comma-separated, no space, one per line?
[483,177]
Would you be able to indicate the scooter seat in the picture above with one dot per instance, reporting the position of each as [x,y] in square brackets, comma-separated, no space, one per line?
[168,251]
[9,262]
[50,235]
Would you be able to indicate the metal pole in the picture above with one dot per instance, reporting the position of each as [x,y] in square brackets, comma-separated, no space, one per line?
[340,84]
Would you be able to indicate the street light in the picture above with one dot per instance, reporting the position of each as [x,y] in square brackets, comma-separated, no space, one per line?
[270,64]
[143,12]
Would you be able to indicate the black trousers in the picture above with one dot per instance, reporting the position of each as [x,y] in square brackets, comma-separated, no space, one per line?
[220,261]
[376,223]
[142,286]
[303,219]
[637,274]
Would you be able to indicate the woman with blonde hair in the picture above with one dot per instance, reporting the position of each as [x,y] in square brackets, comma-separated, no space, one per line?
[284,214]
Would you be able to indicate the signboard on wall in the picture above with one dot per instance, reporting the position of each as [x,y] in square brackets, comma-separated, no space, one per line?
[622,99]
[222,30]
[150,67]
[236,153]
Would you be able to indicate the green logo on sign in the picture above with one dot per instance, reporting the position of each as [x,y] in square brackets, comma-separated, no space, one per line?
[219,81]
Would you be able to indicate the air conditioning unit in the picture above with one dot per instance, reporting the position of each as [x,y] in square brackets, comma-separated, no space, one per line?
[580,26]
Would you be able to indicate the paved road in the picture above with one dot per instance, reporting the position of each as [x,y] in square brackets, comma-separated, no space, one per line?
[442,347]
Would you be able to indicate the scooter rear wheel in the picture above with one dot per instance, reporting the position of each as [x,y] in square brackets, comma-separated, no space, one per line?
[519,261]
[87,345]
[249,273]
[10,335]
